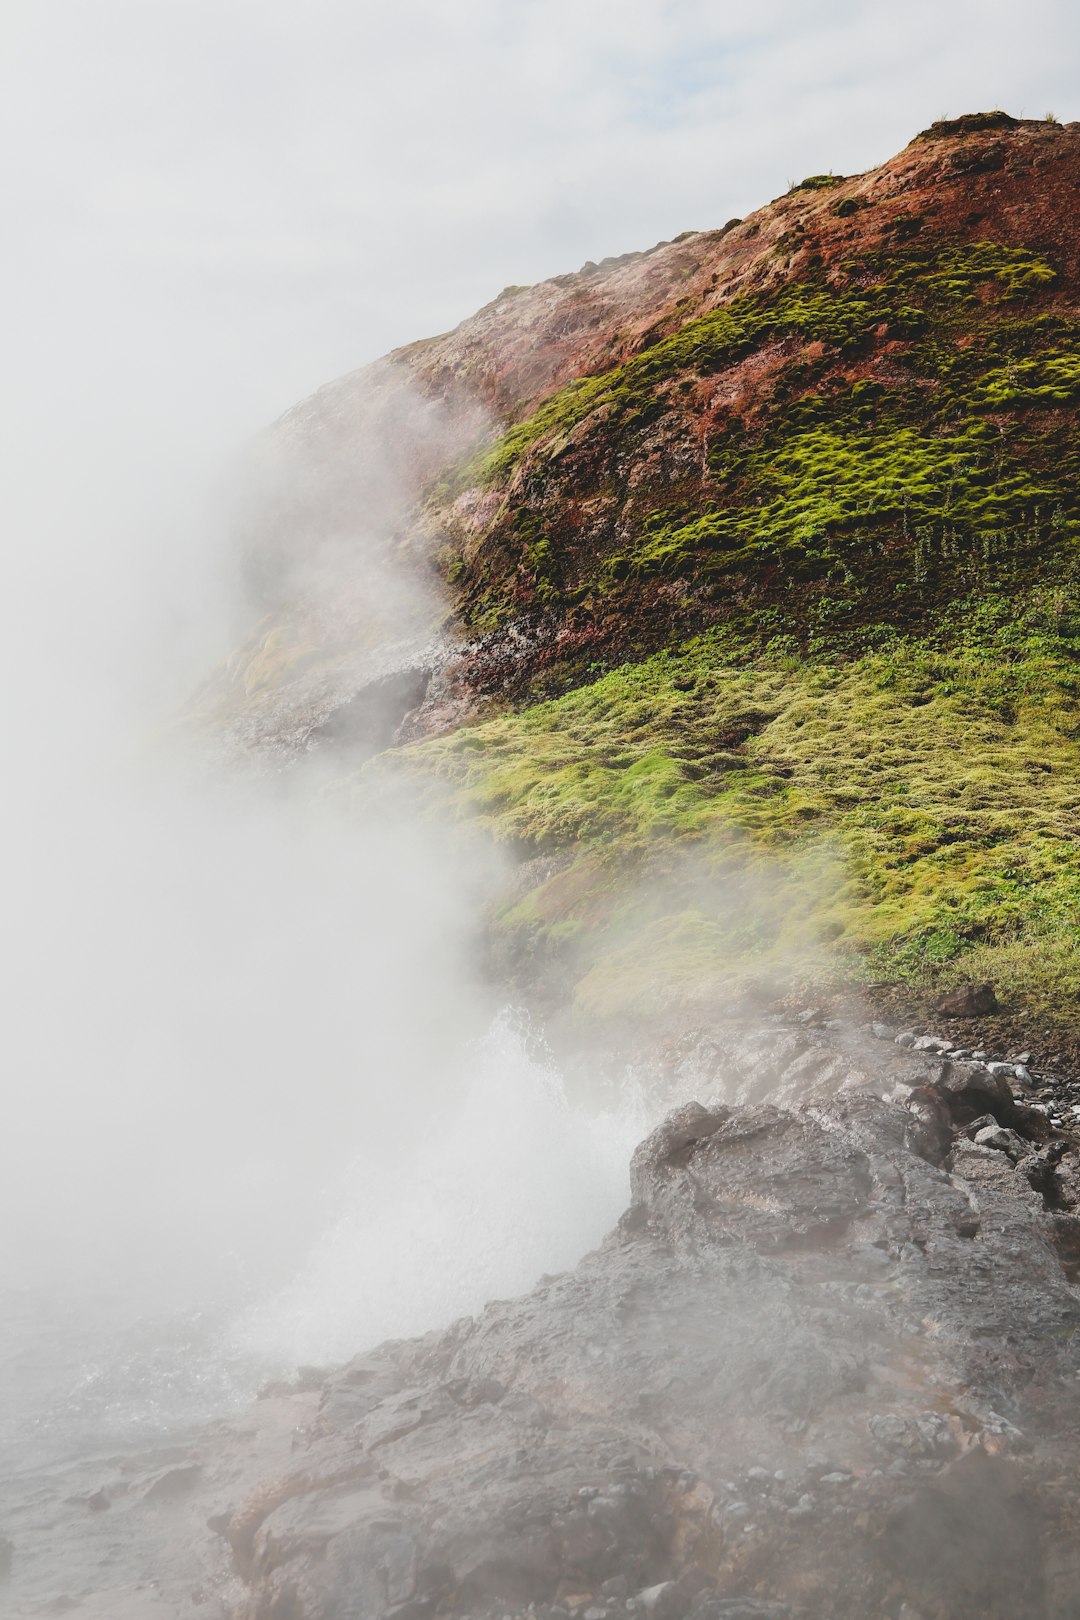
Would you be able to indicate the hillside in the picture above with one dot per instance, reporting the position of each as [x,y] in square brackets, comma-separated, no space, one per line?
[757,601]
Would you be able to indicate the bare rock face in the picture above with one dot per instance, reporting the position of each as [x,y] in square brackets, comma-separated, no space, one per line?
[969,1001]
[826,1366]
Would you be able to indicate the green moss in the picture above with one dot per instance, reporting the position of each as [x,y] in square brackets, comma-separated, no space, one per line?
[1045,379]
[919,808]
[819,494]
[818,182]
[873,765]
[814,310]
[914,466]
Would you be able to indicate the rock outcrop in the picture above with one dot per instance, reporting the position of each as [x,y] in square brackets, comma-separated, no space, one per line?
[826,1366]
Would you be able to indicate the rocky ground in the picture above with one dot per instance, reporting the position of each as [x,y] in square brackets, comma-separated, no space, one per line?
[826,1365]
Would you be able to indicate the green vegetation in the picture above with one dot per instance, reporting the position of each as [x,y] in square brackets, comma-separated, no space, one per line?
[818,494]
[871,480]
[840,316]
[916,810]
[870,765]
[817,182]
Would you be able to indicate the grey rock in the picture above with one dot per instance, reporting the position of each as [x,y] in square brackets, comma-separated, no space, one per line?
[1002,1141]
[982,1122]
[751,1306]
[906,1038]
[883,1032]
[664,1601]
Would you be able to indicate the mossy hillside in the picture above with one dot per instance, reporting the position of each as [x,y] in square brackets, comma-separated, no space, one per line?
[916,427]
[839,315]
[913,813]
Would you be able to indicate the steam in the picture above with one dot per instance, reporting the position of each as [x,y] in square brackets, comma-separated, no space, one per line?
[507,1180]
[256,1074]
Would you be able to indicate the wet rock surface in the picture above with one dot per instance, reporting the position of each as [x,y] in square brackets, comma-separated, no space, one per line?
[825,1366]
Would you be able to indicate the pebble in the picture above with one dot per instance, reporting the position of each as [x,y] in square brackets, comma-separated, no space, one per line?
[836,1479]
[906,1038]
[1006,1071]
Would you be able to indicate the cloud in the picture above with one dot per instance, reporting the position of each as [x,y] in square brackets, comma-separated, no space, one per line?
[303,186]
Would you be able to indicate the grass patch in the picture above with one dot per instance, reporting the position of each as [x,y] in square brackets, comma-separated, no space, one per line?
[918,809]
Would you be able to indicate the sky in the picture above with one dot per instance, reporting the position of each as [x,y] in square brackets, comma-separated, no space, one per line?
[240,199]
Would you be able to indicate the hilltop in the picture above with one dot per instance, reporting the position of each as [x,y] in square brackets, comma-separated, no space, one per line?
[757,613]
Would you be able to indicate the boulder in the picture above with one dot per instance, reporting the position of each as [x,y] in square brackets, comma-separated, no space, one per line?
[968,1001]
[803,1286]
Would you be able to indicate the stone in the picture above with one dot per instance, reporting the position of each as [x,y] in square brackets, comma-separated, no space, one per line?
[752,1304]
[882,1032]
[906,1038]
[665,1601]
[1002,1141]
[968,1001]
